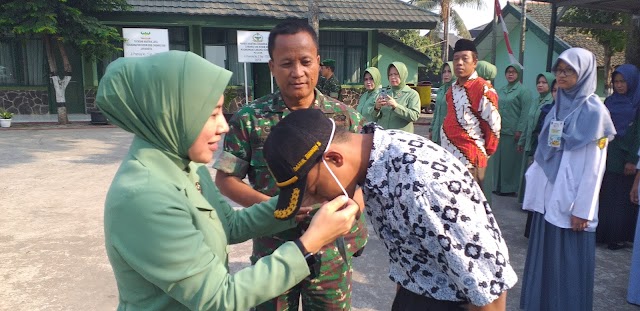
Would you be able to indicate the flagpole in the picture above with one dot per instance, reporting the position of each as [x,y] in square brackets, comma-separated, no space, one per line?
[523,33]
[494,40]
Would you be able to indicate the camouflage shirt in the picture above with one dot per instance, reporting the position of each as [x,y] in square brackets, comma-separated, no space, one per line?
[329,86]
[248,129]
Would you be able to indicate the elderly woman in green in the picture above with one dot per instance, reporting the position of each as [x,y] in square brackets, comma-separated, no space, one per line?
[167,228]
[513,105]
[372,84]
[401,107]
[440,110]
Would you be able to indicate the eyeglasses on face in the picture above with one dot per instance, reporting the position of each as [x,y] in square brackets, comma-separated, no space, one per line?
[568,71]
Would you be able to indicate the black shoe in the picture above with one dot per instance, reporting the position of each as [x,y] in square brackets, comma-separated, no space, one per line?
[617,246]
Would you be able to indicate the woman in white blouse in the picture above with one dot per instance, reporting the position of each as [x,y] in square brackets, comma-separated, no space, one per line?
[562,190]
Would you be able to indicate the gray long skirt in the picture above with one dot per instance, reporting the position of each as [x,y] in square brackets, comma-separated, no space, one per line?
[559,270]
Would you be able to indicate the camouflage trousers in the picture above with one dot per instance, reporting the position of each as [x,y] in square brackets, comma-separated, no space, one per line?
[331,289]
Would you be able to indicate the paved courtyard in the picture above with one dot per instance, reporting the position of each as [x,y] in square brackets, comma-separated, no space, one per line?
[53,181]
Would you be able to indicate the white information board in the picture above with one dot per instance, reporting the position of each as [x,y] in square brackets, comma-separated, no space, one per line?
[141,42]
[253,46]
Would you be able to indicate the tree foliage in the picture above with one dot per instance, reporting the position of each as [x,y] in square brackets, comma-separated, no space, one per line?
[71,22]
[422,44]
[616,40]
[456,22]
[612,40]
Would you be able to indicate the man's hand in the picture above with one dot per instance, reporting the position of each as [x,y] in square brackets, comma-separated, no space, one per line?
[633,195]
[516,136]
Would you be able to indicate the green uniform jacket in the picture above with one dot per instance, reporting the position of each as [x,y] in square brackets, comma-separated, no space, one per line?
[368,98]
[167,243]
[513,105]
[623,150]
[366,104]
[528,140]
[403,116]
[439,112]
[166,226]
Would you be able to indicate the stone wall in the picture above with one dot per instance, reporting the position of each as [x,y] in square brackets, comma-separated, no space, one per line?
[25,101]
[90,100]
[350,95]
[234,99]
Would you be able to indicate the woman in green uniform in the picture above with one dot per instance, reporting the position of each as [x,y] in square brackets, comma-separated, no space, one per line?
[167,227]
[401,106]
[529,138]
[513,104]
[440,110]
[372,84]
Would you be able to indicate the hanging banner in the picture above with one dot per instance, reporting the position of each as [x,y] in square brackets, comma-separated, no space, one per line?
[140,42]
[253,46]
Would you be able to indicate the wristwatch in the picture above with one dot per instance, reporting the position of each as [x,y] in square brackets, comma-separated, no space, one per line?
[312,261]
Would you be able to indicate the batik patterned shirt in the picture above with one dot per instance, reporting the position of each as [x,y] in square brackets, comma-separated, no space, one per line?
[442,237]
[471,128]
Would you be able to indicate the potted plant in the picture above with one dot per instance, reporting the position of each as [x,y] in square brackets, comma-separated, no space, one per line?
[5,118]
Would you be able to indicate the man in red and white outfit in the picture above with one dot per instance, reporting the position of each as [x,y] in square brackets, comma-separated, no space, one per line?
[471,128]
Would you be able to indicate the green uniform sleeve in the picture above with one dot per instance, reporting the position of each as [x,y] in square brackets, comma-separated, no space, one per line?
[525,101]
[409,107]
[161,243]
[236,155]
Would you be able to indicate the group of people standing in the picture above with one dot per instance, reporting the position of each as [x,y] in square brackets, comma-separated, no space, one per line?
[168,227]
[580,158]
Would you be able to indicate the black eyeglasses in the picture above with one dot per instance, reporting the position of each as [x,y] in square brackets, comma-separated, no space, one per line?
[565,72]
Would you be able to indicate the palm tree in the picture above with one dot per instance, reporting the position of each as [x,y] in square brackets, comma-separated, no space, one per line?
[445,12]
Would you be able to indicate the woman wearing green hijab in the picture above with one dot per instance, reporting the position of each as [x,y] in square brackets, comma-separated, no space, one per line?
[401,107]
[167,228]
[529,138]
[486,70]
[372,83]
[513,104]
[440,111]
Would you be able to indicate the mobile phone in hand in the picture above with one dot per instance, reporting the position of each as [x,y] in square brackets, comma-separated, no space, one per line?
[383,93]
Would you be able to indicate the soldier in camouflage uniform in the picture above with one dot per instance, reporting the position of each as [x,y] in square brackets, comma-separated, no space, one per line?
[242,156]
[328,83]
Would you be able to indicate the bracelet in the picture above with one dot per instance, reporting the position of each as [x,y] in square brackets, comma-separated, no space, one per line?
[303,250]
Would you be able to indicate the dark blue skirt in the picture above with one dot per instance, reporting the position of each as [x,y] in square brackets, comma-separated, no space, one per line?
[559,269]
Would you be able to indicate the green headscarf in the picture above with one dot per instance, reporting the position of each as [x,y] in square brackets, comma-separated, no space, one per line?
[447,85]
[377,78]
[486,70]
[511,85]
[404,73]
[165,99]
[550,78]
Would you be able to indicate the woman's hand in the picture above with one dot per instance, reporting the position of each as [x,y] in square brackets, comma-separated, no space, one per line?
[332,220]
[578,224]
[380,101]
[392,102]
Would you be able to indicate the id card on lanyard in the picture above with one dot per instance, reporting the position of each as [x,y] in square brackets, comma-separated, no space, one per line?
[555,133]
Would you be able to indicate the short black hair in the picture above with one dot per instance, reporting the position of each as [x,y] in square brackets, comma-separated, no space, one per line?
[291,27]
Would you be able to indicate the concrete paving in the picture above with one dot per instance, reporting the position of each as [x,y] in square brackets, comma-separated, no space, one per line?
[53,181]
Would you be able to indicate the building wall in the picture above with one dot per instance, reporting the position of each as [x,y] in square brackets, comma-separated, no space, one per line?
[387,55]
[535,58]
[25,100]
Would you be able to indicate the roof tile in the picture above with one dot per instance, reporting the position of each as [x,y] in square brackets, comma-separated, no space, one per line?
[330,10]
